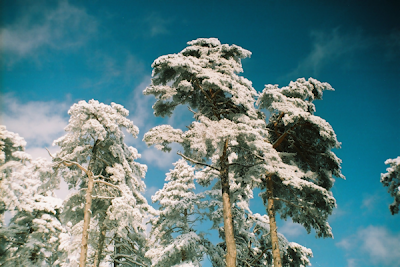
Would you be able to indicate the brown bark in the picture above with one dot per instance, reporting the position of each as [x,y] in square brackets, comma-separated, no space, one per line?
[272,222]
[227,209]
[86,220]
[88,206]
[100,245]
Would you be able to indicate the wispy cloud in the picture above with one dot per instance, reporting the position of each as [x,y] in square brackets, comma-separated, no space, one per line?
[119,69]
[328,47]
[63,27]
[291,229]
[159,158]
[376,245]
[140,107]
[39,123]
[157,24]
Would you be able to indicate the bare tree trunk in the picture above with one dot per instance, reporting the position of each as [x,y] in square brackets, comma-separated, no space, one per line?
[272,222]
[87,211]
[227,210]
[86,221]
[100,245]
[185,231]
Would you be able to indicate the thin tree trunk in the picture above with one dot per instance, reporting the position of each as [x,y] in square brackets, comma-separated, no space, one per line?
[87,211]
[227,210]
[86,220]
[100,245]
[272,222]
[185,231]
[117,250]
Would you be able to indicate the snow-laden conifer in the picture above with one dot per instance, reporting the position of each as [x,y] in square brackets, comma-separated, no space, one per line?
[391,179]
[252,235]
[175,239]
[304,143]
[27,191]
[204,76]
[108,204]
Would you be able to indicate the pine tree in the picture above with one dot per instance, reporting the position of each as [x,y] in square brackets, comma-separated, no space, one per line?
[175,240]
[108,204]
[252,234]
[391,179]
[204,77]
[304,143]
[27,190]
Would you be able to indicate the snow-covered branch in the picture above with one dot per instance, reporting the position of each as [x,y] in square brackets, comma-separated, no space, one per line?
[197,162]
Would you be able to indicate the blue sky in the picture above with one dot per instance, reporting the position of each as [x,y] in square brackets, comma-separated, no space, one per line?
[55,53]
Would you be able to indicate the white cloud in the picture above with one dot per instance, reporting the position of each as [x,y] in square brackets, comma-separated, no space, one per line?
[351,262]
[157,25]
[39,123]
[291,229]
[381,245]
[376,245]
[163,160]
[327,48]
[63,27]
[370,201]
[150,191]
[119,69]
[141,111]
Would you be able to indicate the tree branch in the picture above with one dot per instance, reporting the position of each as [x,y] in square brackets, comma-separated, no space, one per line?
[69,163]
[100,197]
[246,166]
[288,202]
[197,162]
[128,258]
[106,183]
[258,156]
[259,257]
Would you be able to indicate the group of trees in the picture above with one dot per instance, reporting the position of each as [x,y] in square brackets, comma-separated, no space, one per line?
[231,148]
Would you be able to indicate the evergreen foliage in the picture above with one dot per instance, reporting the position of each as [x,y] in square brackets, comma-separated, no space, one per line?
[391,179]
[95,139]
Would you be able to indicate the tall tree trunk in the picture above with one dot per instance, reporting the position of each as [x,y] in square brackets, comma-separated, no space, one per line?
[227,210]
[185,231]
[100,245]
[86,220]
[87,211]
[272,223]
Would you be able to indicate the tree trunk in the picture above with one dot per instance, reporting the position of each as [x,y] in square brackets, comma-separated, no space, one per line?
[87,211]
[272,223]
[227,210]
[86,220]
[117,250]
[100,245]
[185,231]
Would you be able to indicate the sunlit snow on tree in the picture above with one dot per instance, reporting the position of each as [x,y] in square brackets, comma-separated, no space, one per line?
[95,159]
[391,179]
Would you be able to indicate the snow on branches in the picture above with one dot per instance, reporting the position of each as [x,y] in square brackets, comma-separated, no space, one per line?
[391,179]
[27,191]
[95,160]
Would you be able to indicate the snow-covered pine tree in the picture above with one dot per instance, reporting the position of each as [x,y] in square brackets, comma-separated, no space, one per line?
[108,204]
[252,234]
[204,76]
[391,179]
[305,142]
[12,158]
[175,240]
[27,190]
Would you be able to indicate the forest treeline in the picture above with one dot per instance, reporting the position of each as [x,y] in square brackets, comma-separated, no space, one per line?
[239,140]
